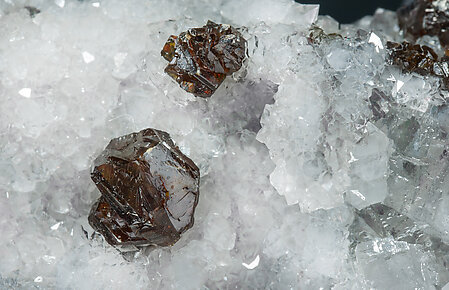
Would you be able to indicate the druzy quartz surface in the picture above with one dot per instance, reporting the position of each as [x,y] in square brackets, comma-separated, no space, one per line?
[324,160]
[149,190]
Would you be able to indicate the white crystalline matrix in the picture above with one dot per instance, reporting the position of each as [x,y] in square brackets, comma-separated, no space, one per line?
[324,163]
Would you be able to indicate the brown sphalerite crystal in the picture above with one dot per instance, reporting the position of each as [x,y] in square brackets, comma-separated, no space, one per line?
[413,57]
[149,190]
[426,17]
[201,58]
[420,59]
[317,35]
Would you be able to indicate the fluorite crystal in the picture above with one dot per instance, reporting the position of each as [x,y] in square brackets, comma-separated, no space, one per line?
[201,58]
[149,190]
[426,17]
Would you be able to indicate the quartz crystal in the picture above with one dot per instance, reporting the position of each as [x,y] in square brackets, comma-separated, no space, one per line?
[383,237]
[201,58]
[33,11]
[149,190]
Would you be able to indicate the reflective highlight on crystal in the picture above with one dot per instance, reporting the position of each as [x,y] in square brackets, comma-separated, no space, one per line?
[149,190]
[201,58]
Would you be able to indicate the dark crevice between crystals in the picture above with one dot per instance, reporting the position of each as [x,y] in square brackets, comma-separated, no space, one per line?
[33,11]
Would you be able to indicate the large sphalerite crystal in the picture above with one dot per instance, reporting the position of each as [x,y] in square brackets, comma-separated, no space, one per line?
[149,190]
[426,17]
[201,58]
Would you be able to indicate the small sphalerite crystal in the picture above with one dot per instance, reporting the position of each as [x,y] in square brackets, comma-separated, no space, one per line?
[201,58]
[413,57]
[419,59]
[426,17]
[149,190]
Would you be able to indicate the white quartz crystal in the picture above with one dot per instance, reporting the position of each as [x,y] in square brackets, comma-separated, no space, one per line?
[289,149]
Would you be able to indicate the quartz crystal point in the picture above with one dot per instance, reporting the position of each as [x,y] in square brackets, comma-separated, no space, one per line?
[426,17]
[201,58]
[149,190]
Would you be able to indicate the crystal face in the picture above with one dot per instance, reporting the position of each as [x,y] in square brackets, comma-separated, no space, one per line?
[426,17]
[149,190]
[201,58]
[383,239]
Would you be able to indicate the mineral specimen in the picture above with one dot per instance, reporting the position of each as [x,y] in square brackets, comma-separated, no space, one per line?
[426,17]
[325,167]
[201,58]
[149,190]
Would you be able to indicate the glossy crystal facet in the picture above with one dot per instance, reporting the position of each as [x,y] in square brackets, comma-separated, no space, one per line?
[201,58]
[149,190]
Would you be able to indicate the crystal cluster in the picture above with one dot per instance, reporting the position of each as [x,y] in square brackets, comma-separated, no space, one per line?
[324,160]
[426,17]
[420,59]
[201,58]
[149,190]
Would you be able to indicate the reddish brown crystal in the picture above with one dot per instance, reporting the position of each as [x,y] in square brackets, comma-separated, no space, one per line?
[420,59]
[413,57]
[201,58]
[149,190]
[426,17]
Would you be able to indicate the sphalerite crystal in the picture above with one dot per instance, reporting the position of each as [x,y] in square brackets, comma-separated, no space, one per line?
[149,190]
[420,59]
[413,57]
[426,17]
[201,58]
